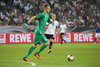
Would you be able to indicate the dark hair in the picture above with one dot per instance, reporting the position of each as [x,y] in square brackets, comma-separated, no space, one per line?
[46,5]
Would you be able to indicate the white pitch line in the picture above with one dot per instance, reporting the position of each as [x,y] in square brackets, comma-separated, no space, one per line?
[33,64]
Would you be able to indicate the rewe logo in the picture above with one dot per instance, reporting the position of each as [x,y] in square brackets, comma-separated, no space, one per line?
[20,38]
[83,37]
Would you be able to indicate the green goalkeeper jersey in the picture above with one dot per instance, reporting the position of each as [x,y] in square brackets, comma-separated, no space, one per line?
[42,19]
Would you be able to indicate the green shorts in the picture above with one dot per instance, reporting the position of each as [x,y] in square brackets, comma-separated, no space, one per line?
[39,37]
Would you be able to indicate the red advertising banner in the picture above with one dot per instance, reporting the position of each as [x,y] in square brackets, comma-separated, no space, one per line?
[19,38]
[82,37]
[10,38]
[77,38]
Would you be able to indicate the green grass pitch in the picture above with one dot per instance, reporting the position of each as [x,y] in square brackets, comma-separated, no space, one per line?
[86,55]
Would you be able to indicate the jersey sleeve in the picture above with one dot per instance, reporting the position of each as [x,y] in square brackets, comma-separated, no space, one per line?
[38,16]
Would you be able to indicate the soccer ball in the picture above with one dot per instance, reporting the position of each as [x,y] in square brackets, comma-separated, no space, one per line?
[70,57]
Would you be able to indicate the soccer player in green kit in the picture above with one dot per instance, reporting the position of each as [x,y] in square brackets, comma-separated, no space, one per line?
[39,37]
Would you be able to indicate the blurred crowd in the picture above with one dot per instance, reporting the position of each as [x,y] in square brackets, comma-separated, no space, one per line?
[72,12]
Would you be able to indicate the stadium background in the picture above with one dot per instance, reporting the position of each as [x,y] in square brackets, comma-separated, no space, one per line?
[79,16]
[73,12]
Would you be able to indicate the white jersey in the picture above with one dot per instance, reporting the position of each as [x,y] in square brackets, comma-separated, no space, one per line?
[52,27]
[63,28]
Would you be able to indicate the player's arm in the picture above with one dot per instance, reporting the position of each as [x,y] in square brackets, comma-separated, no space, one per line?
[38,16]
[34,17]
[60,28]
[46,26]
[56,30]
[57,27]
[26,24]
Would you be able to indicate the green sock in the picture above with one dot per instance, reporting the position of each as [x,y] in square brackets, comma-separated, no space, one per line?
[29,52]
[41,48]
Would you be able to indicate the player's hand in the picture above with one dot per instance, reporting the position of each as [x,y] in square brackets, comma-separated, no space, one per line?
[25,25]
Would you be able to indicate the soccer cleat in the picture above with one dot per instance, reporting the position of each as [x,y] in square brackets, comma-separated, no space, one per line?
[26,59]
[37,55]
[49,50]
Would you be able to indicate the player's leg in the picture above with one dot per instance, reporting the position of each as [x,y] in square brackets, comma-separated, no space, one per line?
[61,38]
[61,41]
[45,41]
[50,46]
[29,52]
[41,49]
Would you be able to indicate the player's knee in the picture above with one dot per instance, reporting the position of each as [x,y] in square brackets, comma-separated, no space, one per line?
[51,40]
[47,43]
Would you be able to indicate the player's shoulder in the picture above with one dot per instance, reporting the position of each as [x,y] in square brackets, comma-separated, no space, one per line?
[56,21]
[40,14]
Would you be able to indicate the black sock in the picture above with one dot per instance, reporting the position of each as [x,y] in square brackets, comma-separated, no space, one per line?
[50,46]
[95,39]
[61,41]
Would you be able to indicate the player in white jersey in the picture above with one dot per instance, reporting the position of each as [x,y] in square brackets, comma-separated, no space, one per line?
[63,29]
[51,29]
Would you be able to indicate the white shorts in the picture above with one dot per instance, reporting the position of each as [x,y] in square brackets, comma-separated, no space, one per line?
[97,35]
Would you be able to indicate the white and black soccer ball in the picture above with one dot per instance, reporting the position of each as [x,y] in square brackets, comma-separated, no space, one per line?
[70,57]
